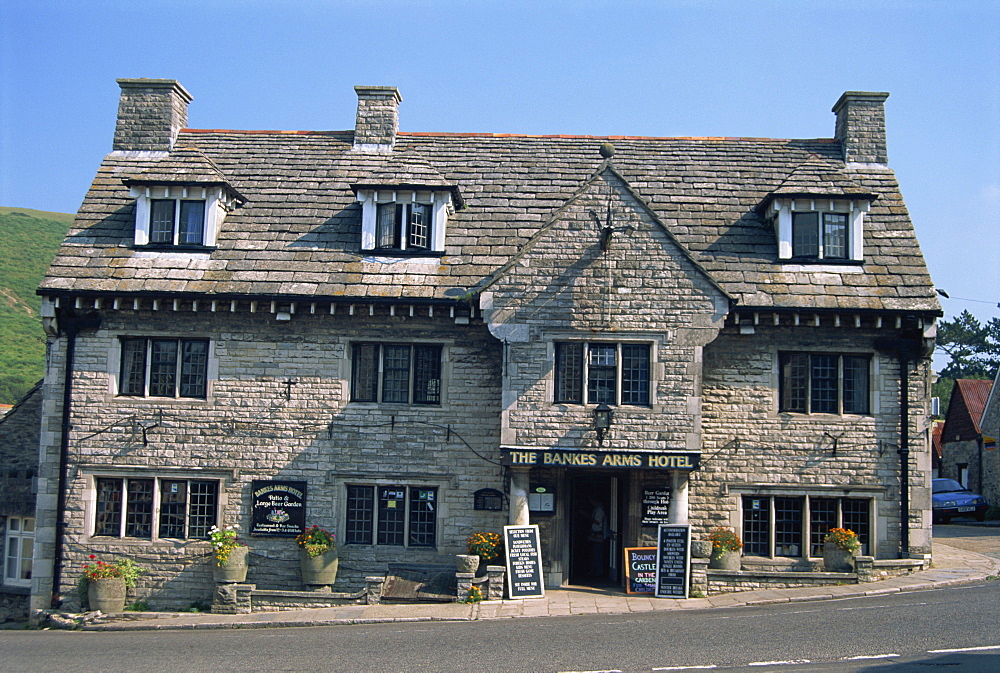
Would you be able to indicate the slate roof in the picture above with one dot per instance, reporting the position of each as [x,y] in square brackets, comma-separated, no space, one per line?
[298,233]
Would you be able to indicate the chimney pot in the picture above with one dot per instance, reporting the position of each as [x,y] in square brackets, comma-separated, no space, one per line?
[861,126]
[151,112]
[378,118]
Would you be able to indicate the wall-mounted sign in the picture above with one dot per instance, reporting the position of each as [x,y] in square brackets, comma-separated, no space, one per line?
[655,506]
[633,460]
[488,499]
[278,508]
[524,562]
[673,559]
[640,570]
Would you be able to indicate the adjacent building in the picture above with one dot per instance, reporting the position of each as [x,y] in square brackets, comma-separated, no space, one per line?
[433,334]
[969,438]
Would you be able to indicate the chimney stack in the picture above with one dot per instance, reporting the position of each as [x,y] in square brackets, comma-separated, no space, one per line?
[861,126]
[378,118]
[150,114]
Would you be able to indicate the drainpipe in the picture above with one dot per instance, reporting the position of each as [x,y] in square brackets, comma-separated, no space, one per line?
[70,326]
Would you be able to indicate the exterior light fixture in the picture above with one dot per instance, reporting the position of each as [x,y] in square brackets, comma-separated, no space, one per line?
[602,420]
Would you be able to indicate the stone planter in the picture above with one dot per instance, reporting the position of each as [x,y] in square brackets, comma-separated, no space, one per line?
[725,560]
[106,595]
[235,570]
[837,560]
[320,569]
[701,548]
[466,563]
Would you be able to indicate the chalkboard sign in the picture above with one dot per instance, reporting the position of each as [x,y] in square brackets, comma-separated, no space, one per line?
[278,508]
[673,560]
[655,506]
[524,562]
[640,570]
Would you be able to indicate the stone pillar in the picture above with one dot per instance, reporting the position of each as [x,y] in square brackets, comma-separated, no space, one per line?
[678,496]
[373,589]
[495,575]
[519,496]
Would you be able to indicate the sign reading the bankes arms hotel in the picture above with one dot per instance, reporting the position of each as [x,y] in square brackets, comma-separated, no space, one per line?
[530,457]
[279,508]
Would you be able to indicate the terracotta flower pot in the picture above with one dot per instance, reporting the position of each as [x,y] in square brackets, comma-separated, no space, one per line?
[106,595]
[235,569]
[320,569]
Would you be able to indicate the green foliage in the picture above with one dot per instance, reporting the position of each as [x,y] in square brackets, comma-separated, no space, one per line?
[974,348]
[28,242]
[141,605]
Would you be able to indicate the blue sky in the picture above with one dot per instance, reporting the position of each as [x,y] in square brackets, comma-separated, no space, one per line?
[660,68]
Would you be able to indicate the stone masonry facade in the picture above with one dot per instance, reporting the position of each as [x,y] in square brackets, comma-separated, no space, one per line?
[426,329]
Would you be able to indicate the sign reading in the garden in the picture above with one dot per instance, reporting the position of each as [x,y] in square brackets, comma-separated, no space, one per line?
[673,545]
[640,570]
[278,508]
[524,562]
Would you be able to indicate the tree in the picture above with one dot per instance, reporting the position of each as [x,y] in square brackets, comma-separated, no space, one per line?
[974,350]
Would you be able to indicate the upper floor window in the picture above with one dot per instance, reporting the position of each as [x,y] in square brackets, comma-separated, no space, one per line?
[154,367]
[825,383]
[403,222]
[817,230]
[177,222]
[155,507]
[602,373]
[396,373]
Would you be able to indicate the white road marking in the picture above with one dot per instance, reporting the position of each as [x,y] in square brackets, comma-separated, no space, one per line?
[684,668]
[965,649]
[870,656]
[779,663]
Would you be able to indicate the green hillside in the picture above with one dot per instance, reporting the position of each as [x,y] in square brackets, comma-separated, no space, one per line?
[28,241]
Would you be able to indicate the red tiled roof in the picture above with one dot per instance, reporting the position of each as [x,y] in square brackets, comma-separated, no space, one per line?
[975,393]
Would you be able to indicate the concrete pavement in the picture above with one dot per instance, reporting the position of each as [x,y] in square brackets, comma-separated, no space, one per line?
[952,566]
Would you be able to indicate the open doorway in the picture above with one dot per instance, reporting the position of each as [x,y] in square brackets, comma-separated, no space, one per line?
[594,530]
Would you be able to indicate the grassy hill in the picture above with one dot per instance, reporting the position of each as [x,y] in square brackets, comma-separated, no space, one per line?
[28,241]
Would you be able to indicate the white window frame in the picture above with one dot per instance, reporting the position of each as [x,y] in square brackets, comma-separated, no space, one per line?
[782,211]
[216,207]
[441,205]
[16,539]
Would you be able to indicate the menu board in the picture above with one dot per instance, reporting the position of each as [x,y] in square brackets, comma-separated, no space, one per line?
[673,559]
[278,508]
[524,562]
[655,506]
[640,570]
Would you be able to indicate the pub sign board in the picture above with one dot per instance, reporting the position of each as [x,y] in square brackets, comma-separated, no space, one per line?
[673,560]
[640,570]
[524,562]
[633,460]
[278,508]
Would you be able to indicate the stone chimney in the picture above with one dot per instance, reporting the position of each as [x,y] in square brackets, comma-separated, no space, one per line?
[861,126]
[378,118]
[150,114]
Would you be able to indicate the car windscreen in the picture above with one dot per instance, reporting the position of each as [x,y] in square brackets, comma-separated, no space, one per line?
[946,486]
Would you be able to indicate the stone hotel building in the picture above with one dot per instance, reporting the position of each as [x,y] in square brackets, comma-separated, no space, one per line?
[443,333]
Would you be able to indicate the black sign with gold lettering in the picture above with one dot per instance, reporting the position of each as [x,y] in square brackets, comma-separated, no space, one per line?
[278,508]
[635,460]
[524,562]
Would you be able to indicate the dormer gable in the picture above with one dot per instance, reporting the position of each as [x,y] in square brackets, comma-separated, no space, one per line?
[181,201]
[405,206]
[818,214]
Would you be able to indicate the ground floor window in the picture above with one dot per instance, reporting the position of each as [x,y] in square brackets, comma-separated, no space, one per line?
[794,526]
[155,507]
[394,515]
[19,544]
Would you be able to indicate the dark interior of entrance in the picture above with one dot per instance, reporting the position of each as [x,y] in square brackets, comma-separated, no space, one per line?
[595,530]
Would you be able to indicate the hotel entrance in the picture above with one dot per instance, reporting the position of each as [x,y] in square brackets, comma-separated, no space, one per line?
[596,526]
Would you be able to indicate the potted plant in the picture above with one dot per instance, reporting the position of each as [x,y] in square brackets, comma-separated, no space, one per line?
[230,555]
[107,583]
[839,548]
[486,548]
[318,559]
[726,549]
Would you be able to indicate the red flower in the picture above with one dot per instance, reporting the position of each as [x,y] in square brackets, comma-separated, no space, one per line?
[93,556]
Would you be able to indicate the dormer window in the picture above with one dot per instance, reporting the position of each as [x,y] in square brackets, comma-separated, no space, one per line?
[819,229]
[404,222]
[177,222]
